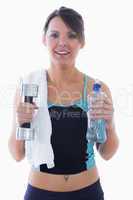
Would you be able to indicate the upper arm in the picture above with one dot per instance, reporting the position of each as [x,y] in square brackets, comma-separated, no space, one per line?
[107,91]
[16,147]
[17,99]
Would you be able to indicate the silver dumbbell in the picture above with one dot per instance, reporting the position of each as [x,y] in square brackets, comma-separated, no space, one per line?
[25,132]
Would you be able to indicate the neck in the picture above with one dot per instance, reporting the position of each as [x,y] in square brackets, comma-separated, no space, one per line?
[62,75]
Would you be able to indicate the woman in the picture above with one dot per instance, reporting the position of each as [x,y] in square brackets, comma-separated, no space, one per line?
[75,174]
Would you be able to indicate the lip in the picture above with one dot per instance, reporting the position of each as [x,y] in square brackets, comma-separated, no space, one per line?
[62,52]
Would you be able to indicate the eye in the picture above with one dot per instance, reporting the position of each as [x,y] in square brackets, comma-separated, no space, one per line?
[54,35]
[72,35]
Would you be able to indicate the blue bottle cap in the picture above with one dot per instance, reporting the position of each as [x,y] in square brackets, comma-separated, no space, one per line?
[96,87]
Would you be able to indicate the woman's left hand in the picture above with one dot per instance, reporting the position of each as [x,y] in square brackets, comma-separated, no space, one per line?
[102,108]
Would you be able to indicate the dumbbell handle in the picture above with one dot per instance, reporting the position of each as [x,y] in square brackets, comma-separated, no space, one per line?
[28,100]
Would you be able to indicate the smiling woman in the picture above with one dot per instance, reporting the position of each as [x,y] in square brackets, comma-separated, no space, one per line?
[64,36]
[74,174]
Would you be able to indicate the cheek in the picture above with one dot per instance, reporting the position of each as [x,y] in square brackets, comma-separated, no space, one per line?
[50,43]
[76,50]
[75,46]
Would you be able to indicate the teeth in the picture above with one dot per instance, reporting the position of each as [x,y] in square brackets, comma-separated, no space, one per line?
[62,52]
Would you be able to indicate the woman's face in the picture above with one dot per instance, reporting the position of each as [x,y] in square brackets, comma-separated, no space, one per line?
[63,43]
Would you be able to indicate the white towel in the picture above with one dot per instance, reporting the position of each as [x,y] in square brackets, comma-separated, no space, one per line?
[39,151]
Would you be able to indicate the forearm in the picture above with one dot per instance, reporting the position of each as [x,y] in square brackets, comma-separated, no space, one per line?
[16,147]
[109,148]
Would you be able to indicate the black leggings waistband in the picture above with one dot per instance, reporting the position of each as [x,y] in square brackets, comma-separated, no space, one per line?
[91,192]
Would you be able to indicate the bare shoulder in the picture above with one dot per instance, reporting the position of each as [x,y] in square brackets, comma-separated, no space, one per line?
[106,90]
[104,86]
[90,83]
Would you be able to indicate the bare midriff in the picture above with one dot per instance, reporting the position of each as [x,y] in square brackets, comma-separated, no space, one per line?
[60,183]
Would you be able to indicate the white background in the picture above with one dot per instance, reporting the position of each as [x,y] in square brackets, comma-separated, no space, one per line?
[107,56]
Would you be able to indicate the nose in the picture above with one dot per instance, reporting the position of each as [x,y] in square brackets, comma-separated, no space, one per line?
[62,41]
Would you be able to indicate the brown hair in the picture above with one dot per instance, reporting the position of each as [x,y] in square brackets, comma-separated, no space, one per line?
[71,18]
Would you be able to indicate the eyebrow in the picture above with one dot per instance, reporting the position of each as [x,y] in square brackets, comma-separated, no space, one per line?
[53,31]
[71,31]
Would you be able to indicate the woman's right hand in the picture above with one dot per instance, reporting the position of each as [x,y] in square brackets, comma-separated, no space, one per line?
[25,112]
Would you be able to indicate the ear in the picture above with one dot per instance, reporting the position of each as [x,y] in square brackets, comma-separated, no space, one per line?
[44,39]
[82,43]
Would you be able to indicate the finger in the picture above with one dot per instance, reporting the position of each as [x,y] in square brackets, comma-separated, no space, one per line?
[105,117]
[26,107]
[25,111]
[102,105]
[107,100]
[24,116]
[35,106]
[30,105]
[108,107]
[101,112]
[24,121]
[97,104]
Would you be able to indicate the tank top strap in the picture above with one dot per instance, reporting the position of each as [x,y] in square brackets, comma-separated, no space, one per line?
[85,92]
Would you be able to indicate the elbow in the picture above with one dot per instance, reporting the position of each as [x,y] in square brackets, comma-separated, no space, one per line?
[18,158]
[108,153]
[107,157]
[17,152]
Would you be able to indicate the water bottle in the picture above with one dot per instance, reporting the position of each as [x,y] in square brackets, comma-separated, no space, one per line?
[96,129]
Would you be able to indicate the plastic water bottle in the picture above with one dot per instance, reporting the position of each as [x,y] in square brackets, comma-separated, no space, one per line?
[96,129]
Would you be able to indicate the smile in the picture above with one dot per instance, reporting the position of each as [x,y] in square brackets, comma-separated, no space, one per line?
[62,52]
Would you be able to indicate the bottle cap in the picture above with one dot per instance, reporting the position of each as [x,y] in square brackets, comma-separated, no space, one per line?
[96,86]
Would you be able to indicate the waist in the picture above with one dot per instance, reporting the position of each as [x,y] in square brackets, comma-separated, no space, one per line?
[64,168]
[54,182]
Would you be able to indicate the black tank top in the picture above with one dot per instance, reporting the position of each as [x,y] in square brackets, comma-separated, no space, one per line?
[68,139]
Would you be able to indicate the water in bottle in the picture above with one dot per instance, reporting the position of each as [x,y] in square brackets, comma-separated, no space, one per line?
[96,129]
